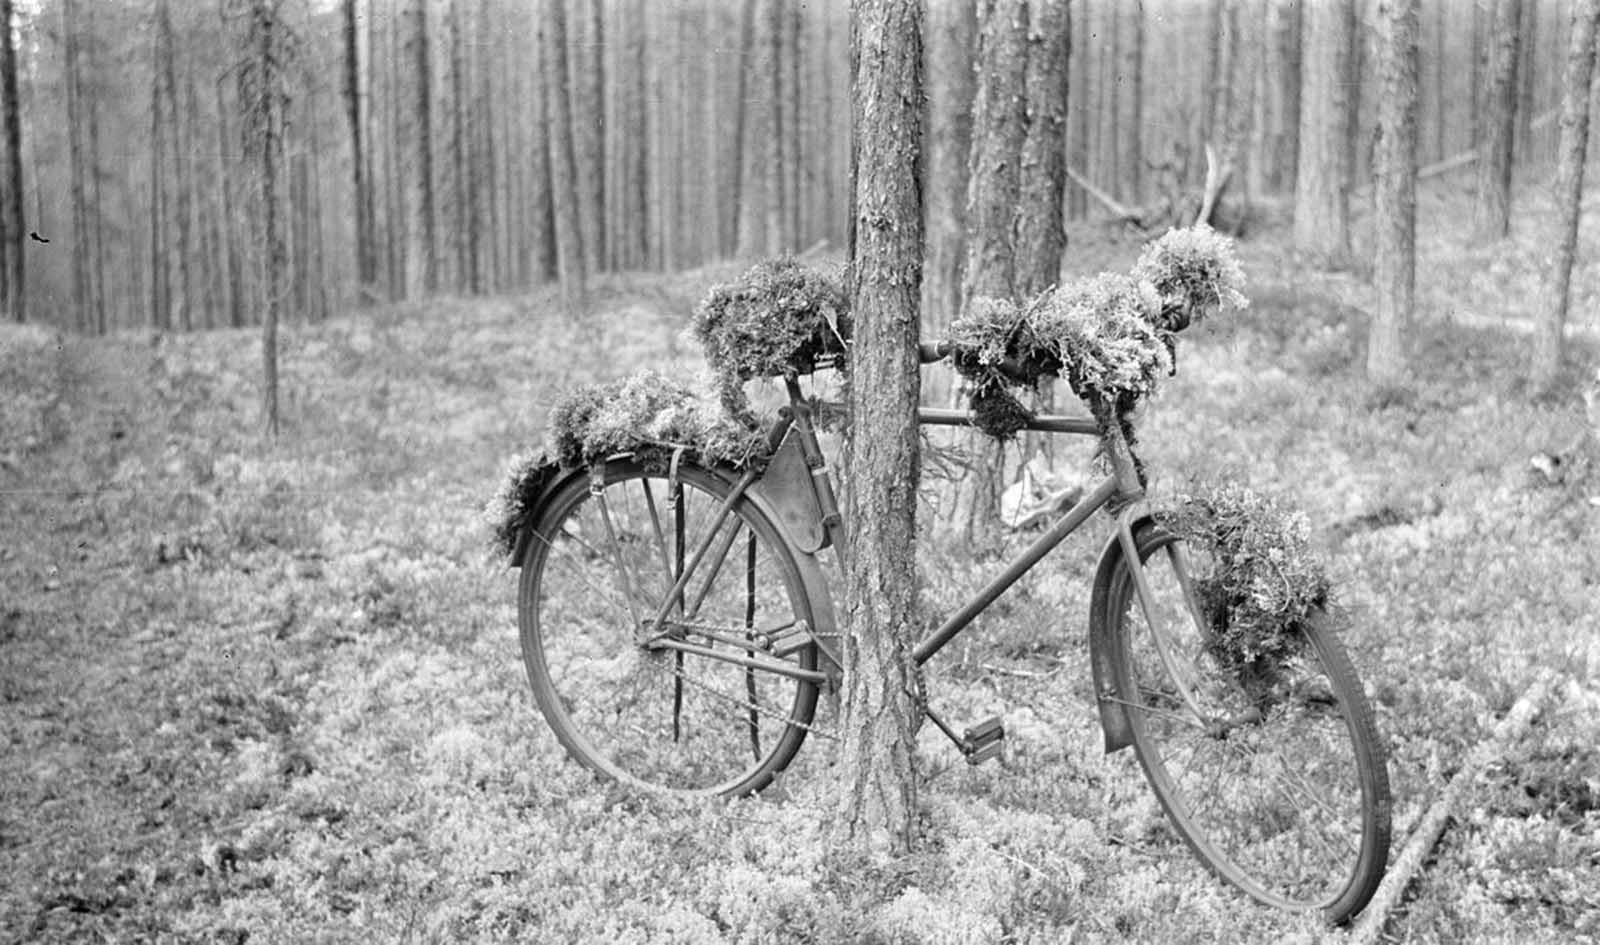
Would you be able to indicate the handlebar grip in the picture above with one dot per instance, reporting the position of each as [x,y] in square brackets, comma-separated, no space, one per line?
[930,351]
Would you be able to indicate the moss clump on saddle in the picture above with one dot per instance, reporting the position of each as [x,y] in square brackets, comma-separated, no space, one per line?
[778,318]
[1266,584]
[1110,336]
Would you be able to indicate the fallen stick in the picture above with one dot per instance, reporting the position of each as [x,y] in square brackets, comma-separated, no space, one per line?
[1110,202]
[1432,824]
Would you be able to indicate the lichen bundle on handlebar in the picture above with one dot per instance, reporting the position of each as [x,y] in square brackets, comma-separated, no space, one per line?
[1111,337]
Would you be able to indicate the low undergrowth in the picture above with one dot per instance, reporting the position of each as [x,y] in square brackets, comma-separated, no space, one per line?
[270,692]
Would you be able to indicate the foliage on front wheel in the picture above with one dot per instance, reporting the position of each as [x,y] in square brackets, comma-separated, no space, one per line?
[1264,585]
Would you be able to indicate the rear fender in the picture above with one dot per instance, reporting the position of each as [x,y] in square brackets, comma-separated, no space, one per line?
[812,578]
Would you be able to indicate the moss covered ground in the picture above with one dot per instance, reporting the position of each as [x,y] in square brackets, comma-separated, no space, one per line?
[271,691]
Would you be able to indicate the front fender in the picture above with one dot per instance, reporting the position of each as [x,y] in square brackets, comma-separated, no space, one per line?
[1102,649]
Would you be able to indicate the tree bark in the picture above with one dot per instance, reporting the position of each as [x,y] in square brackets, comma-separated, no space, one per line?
[1321,205]
[355,112]
[1283,69]
[422,275]
[1572,151]
[1499,122]
[1130,162]
[572,266]
[1079,104]
[951,29]
[80,207]
[1041,237]
[12,223]
[1395,193]
[998,127]
[878,805]
[263,82]
[586,78]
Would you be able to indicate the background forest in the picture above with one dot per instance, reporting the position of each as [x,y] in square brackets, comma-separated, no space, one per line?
[454,146]
[268,689]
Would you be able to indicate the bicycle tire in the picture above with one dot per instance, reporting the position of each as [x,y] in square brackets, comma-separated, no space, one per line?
[1275,779]
[602,558]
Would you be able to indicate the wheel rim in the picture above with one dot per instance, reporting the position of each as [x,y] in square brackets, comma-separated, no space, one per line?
[1268,776]
[599,566]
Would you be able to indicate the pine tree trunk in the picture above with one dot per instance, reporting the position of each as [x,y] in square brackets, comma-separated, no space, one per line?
[464,222]
[1395,193]
[1042,159]
[571,261]
[1568,191]
[878,806]
[160,286]
[1079,105]
[586,77]
[998,128]
[355,112]
[1283,69]
[12,223]
[1321,206]
[265,97]
[233,265]
[1130,162]
[1499,122]
[951,30]
[80,229]
[422,276]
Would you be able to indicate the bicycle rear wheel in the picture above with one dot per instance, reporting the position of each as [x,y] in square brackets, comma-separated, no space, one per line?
[718,696]
[1273,775]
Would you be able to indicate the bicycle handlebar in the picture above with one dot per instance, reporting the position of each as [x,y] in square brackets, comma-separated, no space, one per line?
[930,352]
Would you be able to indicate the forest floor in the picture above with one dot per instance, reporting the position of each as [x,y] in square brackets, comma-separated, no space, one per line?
[270,691]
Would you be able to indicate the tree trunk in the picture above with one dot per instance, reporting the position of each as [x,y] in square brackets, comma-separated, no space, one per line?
[464,222]
[998,128]
[228,228]
[12,223]
[1283,69]
[1568,191]
[951,29]
[1395,194]
[572,265]
[586,80]
[80,207]
[422,276]
[160,284]
[1042,178]
[878,805]
[1321,206]
[355,111]
[1130,162]
[1078,105]
[1499,122]
[264,100]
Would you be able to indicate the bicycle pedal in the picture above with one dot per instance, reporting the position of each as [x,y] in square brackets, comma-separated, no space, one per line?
[983,741]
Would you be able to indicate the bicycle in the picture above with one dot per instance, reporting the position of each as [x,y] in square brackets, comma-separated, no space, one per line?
[677,630]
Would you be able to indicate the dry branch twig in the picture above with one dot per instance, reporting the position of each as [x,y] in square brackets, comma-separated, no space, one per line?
[1431,826]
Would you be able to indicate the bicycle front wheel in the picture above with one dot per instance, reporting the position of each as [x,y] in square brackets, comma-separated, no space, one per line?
[707,689]
[1273,775]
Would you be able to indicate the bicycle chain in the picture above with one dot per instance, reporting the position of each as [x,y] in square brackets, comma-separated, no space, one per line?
[748,705]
